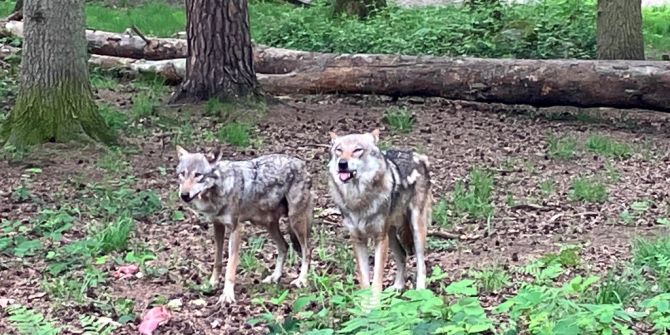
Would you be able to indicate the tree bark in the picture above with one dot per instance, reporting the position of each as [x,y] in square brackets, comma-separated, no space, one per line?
[619,84]
[360,8]
[619,27]
[55,101]
[220,56]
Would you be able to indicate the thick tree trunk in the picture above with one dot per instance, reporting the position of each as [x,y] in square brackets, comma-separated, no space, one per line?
[620,29]
[620,84]
[220,56]
[360,8]
[55,101]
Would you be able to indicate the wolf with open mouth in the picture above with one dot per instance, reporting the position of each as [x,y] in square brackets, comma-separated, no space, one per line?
[385,197]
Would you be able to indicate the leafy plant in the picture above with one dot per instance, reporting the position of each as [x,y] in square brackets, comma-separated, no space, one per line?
[236,133]
[607,146]
[28,322]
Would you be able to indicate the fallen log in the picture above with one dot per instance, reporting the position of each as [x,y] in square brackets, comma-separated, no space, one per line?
[126,45]
[542,83]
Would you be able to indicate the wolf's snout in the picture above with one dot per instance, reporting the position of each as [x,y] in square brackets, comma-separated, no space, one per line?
[186,197]
[343,165]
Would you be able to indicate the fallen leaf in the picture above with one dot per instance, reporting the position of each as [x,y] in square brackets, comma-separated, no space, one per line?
[174,304]
[154,318]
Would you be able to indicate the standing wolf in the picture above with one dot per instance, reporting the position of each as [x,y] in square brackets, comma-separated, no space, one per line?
[261,190]
[383,196]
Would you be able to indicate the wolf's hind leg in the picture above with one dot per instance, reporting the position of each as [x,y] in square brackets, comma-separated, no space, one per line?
[300,218]
[219,236]
[400,258]
[420,219]
[282,248]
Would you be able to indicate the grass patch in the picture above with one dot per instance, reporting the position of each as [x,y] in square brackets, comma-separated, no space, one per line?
[441,213]
[588,190]
[474,197]
[236,133]
[399,119]
[491,279]
[561,147]
[607,146]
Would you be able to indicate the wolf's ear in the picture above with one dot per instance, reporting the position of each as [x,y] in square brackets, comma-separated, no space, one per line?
[375,135]
[214,156]
[181,151]
[333,136]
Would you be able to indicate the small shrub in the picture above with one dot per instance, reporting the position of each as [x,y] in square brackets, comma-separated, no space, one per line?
[491,279]
[588,190]
[441,213]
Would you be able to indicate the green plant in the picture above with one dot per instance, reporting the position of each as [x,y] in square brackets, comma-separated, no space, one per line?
[143,106]
[606,146]
[248,258]
[441,214]
[399,119]
[561,147]
[474,198]
[588,190]
[28,322]
[236,133]
[566,257]
[658,308]
[491,279]
[113,117]
[547,187]
[114,236]
[96,326]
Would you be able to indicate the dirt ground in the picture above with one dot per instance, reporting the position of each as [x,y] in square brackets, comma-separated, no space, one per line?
[510,141]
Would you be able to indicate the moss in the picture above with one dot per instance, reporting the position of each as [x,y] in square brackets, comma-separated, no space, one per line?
[64,113]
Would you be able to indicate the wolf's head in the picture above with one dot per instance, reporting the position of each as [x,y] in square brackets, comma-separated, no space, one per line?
[354,156]
[196,172]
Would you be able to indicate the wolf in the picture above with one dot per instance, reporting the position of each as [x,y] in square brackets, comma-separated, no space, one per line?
[385,197]
[262,191]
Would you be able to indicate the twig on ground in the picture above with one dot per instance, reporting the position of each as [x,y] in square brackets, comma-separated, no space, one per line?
[444,235]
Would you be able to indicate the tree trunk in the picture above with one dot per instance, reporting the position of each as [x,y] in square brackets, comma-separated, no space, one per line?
[360,8]
[620,29]
[220,56]
[55,101]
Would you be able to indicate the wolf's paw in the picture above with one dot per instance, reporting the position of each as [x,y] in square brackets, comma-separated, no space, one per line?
[299,282]
[398,286]
[271,279]
[227,298]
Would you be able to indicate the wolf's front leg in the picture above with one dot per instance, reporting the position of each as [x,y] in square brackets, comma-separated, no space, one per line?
[228,295]
[381,256]
[219,236]
[361,253]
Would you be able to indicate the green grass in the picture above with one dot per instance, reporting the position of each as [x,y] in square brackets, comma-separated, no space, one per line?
[474,197]
[551,29]
[607,146]
[399,119]
[588,190]
[492,279]
[561,147]
[236,133]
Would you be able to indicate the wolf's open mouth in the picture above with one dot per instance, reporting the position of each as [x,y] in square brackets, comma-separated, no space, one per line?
[345,176]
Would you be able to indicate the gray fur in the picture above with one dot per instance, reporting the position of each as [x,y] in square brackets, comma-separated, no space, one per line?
[260,190]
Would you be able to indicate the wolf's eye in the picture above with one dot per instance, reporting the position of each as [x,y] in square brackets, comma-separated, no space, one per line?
[197,175]
[338,151]
[358,151]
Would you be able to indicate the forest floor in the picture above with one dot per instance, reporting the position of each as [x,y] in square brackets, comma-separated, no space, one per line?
[515,183]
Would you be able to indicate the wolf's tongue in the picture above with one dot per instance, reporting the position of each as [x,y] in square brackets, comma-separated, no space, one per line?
[344,176]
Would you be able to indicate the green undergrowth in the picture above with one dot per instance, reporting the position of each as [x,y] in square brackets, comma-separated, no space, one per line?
[552,299]
[549,29]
